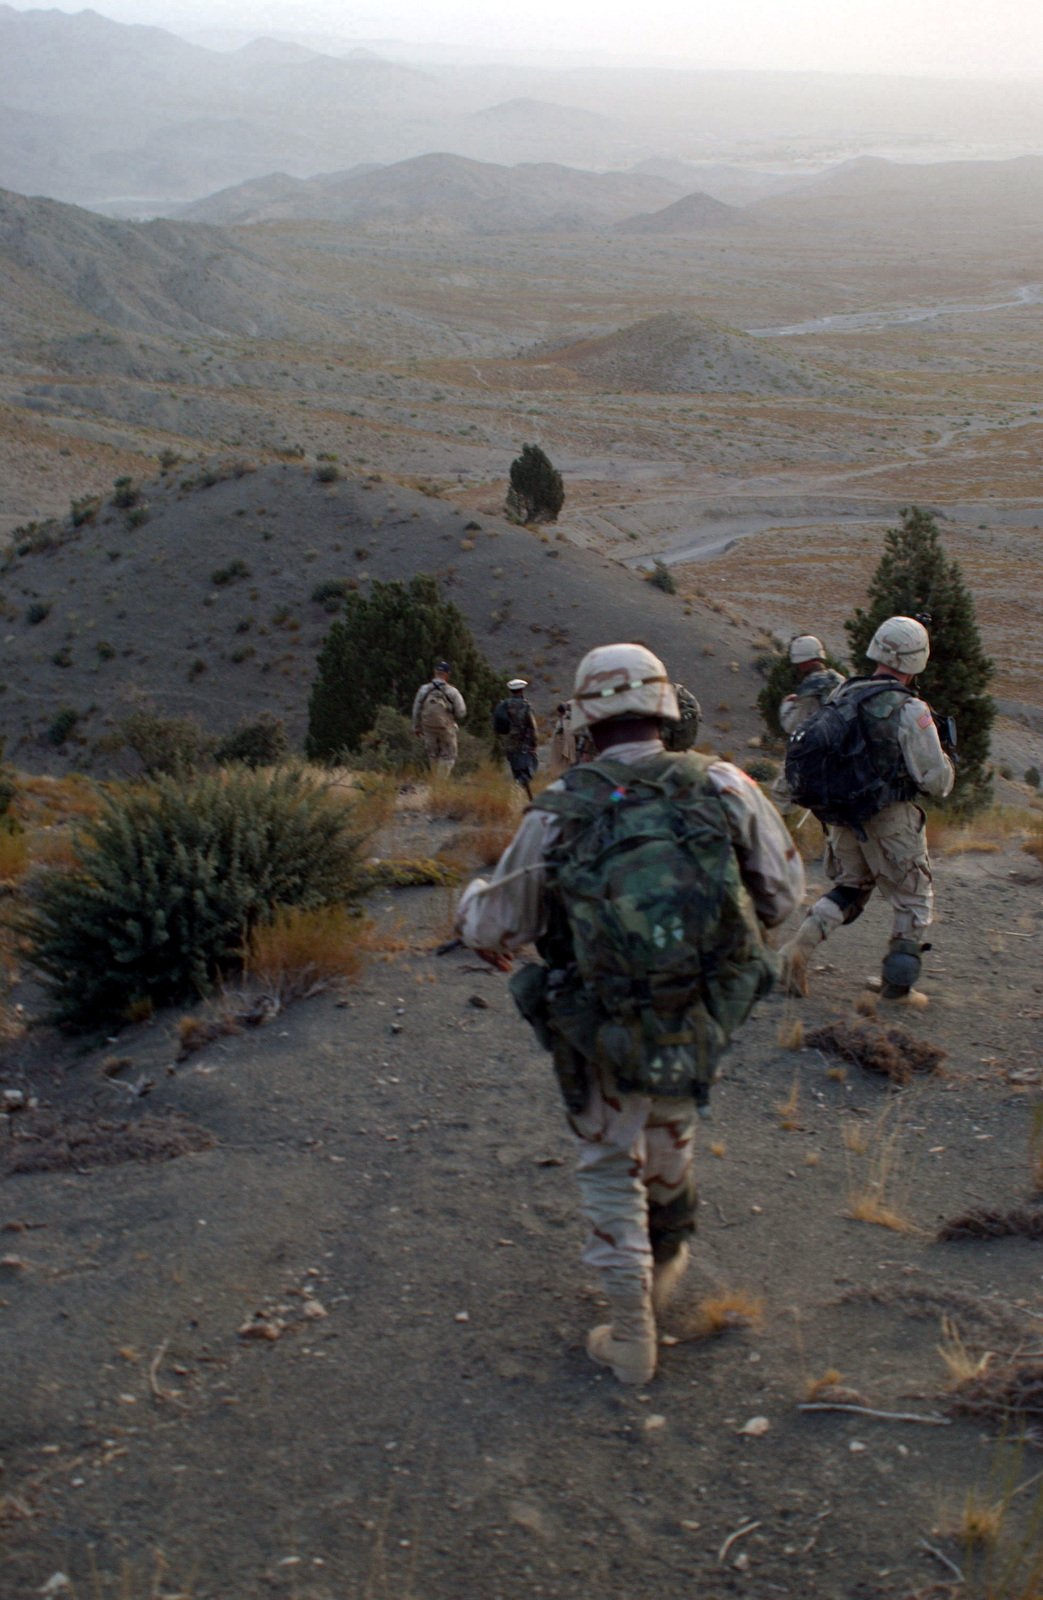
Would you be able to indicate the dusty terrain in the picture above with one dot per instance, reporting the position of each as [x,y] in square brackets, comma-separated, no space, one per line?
[394,1156]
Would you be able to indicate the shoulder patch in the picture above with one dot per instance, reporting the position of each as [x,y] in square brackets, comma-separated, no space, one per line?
[925,720]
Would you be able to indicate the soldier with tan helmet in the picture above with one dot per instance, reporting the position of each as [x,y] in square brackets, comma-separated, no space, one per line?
[888,850]
[644,879]
[817,682]
[437,709]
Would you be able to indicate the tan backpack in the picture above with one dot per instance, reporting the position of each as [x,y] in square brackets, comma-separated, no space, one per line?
[436,710]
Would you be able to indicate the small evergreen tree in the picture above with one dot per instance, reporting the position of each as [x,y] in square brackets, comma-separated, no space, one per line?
[379,653]
[916,578]
[536,493]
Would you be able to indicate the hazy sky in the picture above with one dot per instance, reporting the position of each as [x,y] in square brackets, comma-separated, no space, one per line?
[976,37]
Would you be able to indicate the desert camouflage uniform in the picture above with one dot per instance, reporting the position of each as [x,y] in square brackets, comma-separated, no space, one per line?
[893,856]
[562,746]
[794,710]
[634,1150]
[437,708]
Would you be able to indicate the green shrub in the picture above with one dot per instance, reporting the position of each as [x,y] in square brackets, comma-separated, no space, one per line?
[8,790]
[761,770]
[235,569]
[263,743]
[327,472]
[62,726]
[165,746]
[390,745]
[1032,777]
[105,650]
[62,657]
[378,653]
[39,611]
[172,879]
[126,494]
[138,517]
[661,577]
[331,592]
[84,510]
[536,493]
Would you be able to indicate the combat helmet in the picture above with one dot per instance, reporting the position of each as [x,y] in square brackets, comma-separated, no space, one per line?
[901,643]
[622,680]
[805,647]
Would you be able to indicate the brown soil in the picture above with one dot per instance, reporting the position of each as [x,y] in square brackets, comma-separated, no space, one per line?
[338,1355]
[41,1142]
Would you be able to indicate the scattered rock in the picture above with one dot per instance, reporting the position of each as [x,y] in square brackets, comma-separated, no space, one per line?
[756,1428]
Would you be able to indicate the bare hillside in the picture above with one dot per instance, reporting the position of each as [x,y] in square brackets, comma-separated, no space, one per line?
[214,606]
[678,354]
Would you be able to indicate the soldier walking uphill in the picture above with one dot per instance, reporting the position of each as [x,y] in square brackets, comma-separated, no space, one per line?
[515,724]
[437,708]
[865,792]
[644,879]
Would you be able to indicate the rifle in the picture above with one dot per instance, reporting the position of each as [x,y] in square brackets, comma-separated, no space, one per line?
[946,733]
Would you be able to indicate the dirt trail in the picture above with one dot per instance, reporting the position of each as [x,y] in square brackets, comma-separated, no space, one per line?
[396,1158]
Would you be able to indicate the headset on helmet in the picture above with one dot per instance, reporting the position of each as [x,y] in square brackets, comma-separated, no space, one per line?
[806,648]
[901,643]
[622,680]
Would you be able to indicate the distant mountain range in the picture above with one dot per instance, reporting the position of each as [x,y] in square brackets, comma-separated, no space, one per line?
[443,192]
[117,116]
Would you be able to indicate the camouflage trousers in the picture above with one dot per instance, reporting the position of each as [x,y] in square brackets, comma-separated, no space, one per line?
[635,1176]
[440,745]
[893,859]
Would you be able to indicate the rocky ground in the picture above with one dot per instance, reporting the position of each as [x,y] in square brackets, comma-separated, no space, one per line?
[332,1346]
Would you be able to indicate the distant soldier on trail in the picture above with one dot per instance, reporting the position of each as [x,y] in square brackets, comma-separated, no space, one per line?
[515,725]
[859,766]
[644,879]
[437,709]
[817,682]
[562,742]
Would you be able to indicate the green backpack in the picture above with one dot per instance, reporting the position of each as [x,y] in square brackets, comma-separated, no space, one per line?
[648,902]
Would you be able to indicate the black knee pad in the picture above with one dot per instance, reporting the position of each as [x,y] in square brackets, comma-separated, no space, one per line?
[671,1225]
[852,902]
[902,964]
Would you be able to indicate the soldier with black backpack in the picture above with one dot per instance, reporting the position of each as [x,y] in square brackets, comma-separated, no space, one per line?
[859,764]
[515,725]
[644,879]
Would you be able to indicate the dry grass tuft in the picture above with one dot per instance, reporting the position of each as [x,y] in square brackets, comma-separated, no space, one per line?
[722,1312]
[790,1035]
[876,1195]
[195,1033]
[487,796]
[960,1365]
[14,856]
[788,1109]
[893,1052]
[476,847]
[830,1379]
[980,1522]
[856,1137]
[1008,1394]
[807,834]
[42,802]
[302,951]
[986,832]
[410,872]
[55,848]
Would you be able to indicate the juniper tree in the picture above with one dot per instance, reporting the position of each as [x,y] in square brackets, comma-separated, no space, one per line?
[536,493]
[915,578]
[379,652]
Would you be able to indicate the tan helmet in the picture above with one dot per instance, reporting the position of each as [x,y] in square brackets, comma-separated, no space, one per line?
[806,648]
[622,680]
[901,643]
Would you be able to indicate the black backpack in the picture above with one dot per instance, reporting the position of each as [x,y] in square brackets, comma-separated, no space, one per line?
[838,770]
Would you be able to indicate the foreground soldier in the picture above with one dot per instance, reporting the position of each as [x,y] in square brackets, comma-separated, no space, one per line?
[644,879]
[437,708]
[889,850]
[515,724]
